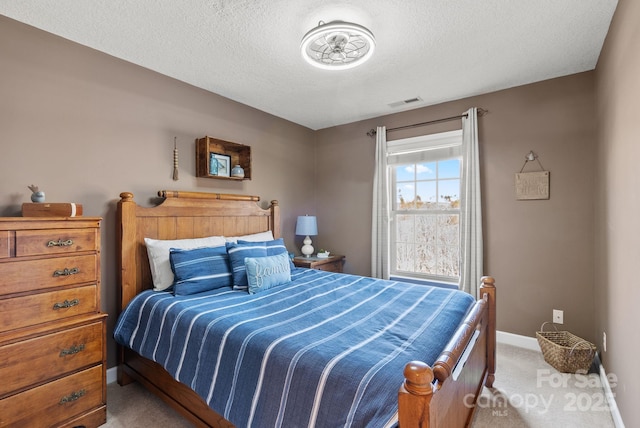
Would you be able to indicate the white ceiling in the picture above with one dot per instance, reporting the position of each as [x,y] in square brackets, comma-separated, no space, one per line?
[248,50]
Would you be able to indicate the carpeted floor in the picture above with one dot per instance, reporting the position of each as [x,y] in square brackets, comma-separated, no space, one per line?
[527,393]
[132,406]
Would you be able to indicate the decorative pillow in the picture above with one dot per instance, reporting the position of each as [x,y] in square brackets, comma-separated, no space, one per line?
[254,237]
[239,250]
[264,273]
[158,251]
[200,269]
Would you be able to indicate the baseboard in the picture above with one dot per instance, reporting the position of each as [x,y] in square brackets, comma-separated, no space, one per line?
[609,395]
[112,375]
[517,340]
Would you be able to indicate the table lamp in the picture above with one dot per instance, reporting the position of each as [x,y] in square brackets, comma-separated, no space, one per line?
[306,226]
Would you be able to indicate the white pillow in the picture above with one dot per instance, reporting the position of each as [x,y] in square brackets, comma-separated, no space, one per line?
[158,250]
[254,237]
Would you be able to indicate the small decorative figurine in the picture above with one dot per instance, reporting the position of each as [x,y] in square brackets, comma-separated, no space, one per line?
[323,254]
[237,172]
[37,195]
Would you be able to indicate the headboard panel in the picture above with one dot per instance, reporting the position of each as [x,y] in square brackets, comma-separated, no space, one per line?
[182,215]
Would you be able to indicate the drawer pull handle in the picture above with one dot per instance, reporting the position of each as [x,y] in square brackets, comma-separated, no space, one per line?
[73,350]
[75,395]
[60,243]
[66,272]
[66,304]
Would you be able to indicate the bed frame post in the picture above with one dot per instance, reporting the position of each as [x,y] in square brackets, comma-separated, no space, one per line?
[275,219]
[488,292]
[126,214]
[415,394]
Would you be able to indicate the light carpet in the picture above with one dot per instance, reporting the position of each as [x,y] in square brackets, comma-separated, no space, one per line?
[527,392]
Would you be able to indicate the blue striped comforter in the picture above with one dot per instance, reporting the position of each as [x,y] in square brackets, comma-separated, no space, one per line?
[324,350]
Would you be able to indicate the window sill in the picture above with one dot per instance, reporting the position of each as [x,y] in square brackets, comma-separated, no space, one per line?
[424,282]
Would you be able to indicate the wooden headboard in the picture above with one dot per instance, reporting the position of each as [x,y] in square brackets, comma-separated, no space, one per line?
[182,215]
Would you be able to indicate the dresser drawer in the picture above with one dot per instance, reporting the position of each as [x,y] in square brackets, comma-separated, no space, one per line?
[46,357]
[54,402]
[39,308]
[331,267]
[29,275]
[5,237]
[54,241]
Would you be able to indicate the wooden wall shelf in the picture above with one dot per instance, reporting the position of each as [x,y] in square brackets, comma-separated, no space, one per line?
[239,154]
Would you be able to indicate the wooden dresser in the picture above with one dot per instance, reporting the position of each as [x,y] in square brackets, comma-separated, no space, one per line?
[52,333]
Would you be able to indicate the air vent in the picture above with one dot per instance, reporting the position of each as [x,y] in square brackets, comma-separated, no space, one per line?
[405,102]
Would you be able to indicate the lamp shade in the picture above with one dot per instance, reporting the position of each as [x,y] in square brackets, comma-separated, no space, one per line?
[307,225]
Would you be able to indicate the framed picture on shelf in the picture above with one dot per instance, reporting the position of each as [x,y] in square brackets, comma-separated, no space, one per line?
[213,164]
[219,165]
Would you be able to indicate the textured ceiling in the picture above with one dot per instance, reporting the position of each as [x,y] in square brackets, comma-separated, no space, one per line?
[248,50]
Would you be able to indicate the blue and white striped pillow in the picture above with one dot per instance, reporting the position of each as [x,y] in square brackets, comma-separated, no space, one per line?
[200,269]
[239,250]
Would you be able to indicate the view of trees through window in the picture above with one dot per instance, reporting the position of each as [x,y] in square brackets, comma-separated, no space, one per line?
[426,214]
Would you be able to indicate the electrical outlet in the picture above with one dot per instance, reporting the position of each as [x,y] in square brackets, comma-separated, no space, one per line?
[604,341]
[558,316]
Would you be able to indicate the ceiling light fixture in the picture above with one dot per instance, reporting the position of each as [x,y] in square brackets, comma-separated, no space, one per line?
[337,45]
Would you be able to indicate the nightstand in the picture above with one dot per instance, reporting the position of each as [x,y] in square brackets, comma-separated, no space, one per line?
[329,264]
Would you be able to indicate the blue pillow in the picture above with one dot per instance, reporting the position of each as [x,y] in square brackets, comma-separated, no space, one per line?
[264,273]
[238,251]
[274,247]
[199,269]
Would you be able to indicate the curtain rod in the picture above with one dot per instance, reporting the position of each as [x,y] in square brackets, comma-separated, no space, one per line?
[481,112]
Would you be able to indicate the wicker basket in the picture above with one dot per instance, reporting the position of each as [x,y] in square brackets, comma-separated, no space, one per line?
[566,352]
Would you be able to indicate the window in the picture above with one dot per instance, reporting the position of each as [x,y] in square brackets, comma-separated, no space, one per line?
[424,179]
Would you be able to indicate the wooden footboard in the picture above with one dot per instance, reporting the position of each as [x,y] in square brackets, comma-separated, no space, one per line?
[445,395]
[440,396]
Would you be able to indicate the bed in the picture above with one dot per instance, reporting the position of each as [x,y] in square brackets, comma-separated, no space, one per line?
[440,394]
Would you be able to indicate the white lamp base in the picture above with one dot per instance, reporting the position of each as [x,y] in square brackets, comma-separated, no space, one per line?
[307,249]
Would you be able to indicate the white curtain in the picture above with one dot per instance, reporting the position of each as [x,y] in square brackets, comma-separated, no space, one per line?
[380,211]
[471,254]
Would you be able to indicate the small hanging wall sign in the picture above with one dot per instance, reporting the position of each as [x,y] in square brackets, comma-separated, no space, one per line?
[532,185]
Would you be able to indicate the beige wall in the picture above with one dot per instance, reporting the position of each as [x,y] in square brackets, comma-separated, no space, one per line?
[618,204]
[540,252]
[85,126]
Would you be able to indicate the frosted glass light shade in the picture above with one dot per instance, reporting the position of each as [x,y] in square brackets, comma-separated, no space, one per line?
[337,45]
